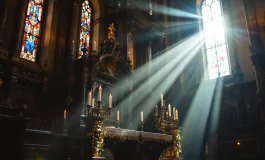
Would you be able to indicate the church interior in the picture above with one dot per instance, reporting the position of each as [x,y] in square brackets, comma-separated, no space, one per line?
[132,79]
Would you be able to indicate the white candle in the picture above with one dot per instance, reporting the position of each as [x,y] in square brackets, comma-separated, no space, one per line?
[161,99]
[110,101]
[64,114]
[167,114]
[177,115]
[174,113]
[142,116]
[93,102]
[118,115]
[99,93]
[169,110]
[89,98]
[95,45]
[156,110]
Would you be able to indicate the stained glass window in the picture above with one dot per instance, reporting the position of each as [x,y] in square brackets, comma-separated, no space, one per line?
[85,28]
[31,35]
[215,41]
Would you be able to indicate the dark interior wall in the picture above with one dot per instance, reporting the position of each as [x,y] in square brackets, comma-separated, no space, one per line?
[13,20]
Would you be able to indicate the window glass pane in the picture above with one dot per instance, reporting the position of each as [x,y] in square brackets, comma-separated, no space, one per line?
[216,9]
[209,36]
[208,2]
[212,63]
[85,28]
[31,36]
[206,13]
[219,31]
[223,60]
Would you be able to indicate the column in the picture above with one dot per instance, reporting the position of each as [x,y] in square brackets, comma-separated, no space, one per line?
[256,47]
[3,15]
[257,53]
[75,110]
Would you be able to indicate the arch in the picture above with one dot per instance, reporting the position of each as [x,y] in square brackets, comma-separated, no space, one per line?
[32,30]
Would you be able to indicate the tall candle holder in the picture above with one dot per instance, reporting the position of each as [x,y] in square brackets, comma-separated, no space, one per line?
[98,115]
[169,125]
[174,130]
[142,125]
[161,122]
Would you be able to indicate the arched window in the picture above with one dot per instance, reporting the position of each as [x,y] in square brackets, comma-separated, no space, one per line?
[31,35]
[85,27]
[215,40]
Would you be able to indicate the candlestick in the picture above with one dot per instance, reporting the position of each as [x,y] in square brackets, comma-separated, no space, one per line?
[142,116]
[110,101]
[142,125]
[89,98]
[99,93]
[174,113]
[156,110]
[93,102]
[117,124]
[169,110]
[118,115]
[177,116]
[162,100]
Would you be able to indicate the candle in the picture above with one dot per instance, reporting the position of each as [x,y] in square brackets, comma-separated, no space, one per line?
[142,116]
[64,114]
[95,45]
[99,93]
[89,98]
[118,115]
[93,102]
[156,110]
[169,110]
[164,103]
[161,99]
[174,113]
[167,114]
[110,101]
[177,116]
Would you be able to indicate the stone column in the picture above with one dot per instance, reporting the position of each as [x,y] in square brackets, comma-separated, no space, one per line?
[3,16]
[75,110]
[257,51]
